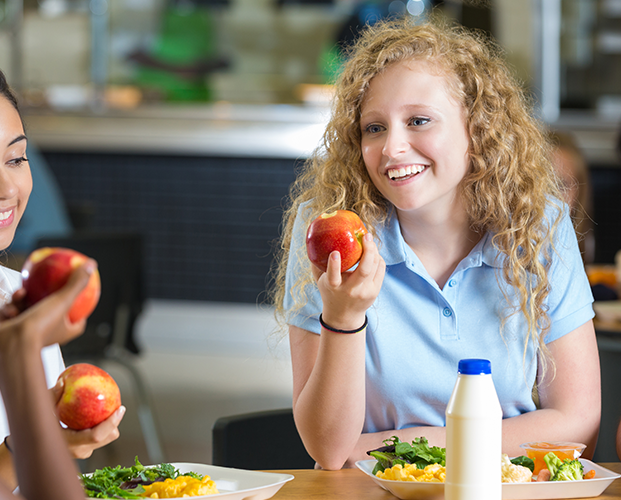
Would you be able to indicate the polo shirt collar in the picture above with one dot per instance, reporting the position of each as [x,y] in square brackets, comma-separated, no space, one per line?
[395,250]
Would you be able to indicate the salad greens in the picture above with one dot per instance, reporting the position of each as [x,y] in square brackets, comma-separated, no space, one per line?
[126,482]
[524,462]
[418,453]
[421,454]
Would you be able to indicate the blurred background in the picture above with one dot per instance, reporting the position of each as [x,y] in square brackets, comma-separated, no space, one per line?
[182,122]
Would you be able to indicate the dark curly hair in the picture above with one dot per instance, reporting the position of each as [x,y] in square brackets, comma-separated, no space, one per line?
[7,92]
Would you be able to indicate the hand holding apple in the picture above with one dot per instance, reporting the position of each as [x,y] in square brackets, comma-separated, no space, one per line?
[89,396]
[46,270]
[340,230]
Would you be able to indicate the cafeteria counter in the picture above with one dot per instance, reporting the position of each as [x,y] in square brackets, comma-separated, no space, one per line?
[225,129]
[220,129]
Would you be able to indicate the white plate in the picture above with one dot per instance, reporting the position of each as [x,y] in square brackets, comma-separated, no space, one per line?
[237,484]
[407,490]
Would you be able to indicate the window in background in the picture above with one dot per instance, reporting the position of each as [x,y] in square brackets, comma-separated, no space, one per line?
[591,56]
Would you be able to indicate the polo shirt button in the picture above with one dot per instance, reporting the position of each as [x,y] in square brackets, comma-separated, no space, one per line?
[447,312]
[452,283]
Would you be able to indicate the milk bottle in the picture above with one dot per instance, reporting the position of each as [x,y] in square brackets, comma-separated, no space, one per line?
[473,435]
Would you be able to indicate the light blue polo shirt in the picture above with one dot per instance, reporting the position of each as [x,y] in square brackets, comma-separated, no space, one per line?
[418,332]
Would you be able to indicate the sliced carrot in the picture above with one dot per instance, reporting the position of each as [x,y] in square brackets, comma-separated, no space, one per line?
[590,474]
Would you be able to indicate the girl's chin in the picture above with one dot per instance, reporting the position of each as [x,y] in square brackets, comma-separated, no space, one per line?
[6,237]
[405,205]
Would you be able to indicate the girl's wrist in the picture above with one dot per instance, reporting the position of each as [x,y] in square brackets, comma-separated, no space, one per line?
[343,325]
[16,347]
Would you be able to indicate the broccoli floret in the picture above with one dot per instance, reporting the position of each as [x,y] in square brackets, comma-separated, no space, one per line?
[570,470]
[566,470]
[553,463]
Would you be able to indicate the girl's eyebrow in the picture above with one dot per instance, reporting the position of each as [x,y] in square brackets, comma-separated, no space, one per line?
[17,139]
[408,108]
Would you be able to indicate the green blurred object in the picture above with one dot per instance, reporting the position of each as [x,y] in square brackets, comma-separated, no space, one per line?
[331,64]
[173,87]
[181,57]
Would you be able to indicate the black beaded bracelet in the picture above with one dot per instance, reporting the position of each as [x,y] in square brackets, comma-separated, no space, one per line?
[6,443]
[335,330]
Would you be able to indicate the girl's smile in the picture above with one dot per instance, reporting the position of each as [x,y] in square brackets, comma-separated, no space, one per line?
[401,173]
[6,217]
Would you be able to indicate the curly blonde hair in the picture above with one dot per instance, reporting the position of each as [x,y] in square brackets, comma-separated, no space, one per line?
[510,178]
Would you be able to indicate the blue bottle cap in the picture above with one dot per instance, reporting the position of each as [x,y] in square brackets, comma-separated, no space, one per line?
[475,367]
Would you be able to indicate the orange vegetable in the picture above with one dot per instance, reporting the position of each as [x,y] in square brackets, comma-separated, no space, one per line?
[589,475]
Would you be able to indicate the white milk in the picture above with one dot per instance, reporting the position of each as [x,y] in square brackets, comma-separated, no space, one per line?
[473,435]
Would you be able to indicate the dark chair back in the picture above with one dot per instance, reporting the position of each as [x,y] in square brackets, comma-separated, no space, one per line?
[264,440]
[610,366]
[120,262]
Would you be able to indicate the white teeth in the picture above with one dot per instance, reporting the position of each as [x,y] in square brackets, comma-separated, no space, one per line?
[5,215]
[397,173]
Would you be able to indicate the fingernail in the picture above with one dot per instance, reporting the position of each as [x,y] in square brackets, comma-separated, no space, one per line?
[90,266]
[368,237]
[120,412]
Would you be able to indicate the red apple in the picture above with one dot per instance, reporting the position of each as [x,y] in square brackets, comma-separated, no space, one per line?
[90,395]
[340,230]
[47,269]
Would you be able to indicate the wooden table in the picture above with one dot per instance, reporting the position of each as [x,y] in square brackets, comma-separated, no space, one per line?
[352,484]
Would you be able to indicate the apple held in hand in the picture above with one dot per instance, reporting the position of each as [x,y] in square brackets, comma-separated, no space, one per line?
[90,395]
[46,270]
[340,230]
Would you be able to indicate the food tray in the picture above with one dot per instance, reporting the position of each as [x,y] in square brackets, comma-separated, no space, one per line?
[411,490]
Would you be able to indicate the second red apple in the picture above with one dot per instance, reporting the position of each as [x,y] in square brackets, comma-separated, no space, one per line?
[90,395]
[46,270]
[340,230]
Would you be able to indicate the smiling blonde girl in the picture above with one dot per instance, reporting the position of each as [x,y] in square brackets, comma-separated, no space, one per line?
[473,254]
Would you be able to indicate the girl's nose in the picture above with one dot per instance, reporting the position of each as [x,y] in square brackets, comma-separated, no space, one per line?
[8,189]
[395,144]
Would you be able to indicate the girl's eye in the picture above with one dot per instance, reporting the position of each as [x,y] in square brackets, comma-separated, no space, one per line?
[417,121]
[373,129]
[17,162]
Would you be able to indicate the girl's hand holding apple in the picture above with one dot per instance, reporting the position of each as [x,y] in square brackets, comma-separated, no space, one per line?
[347,296]
[335,242]
[82,443]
